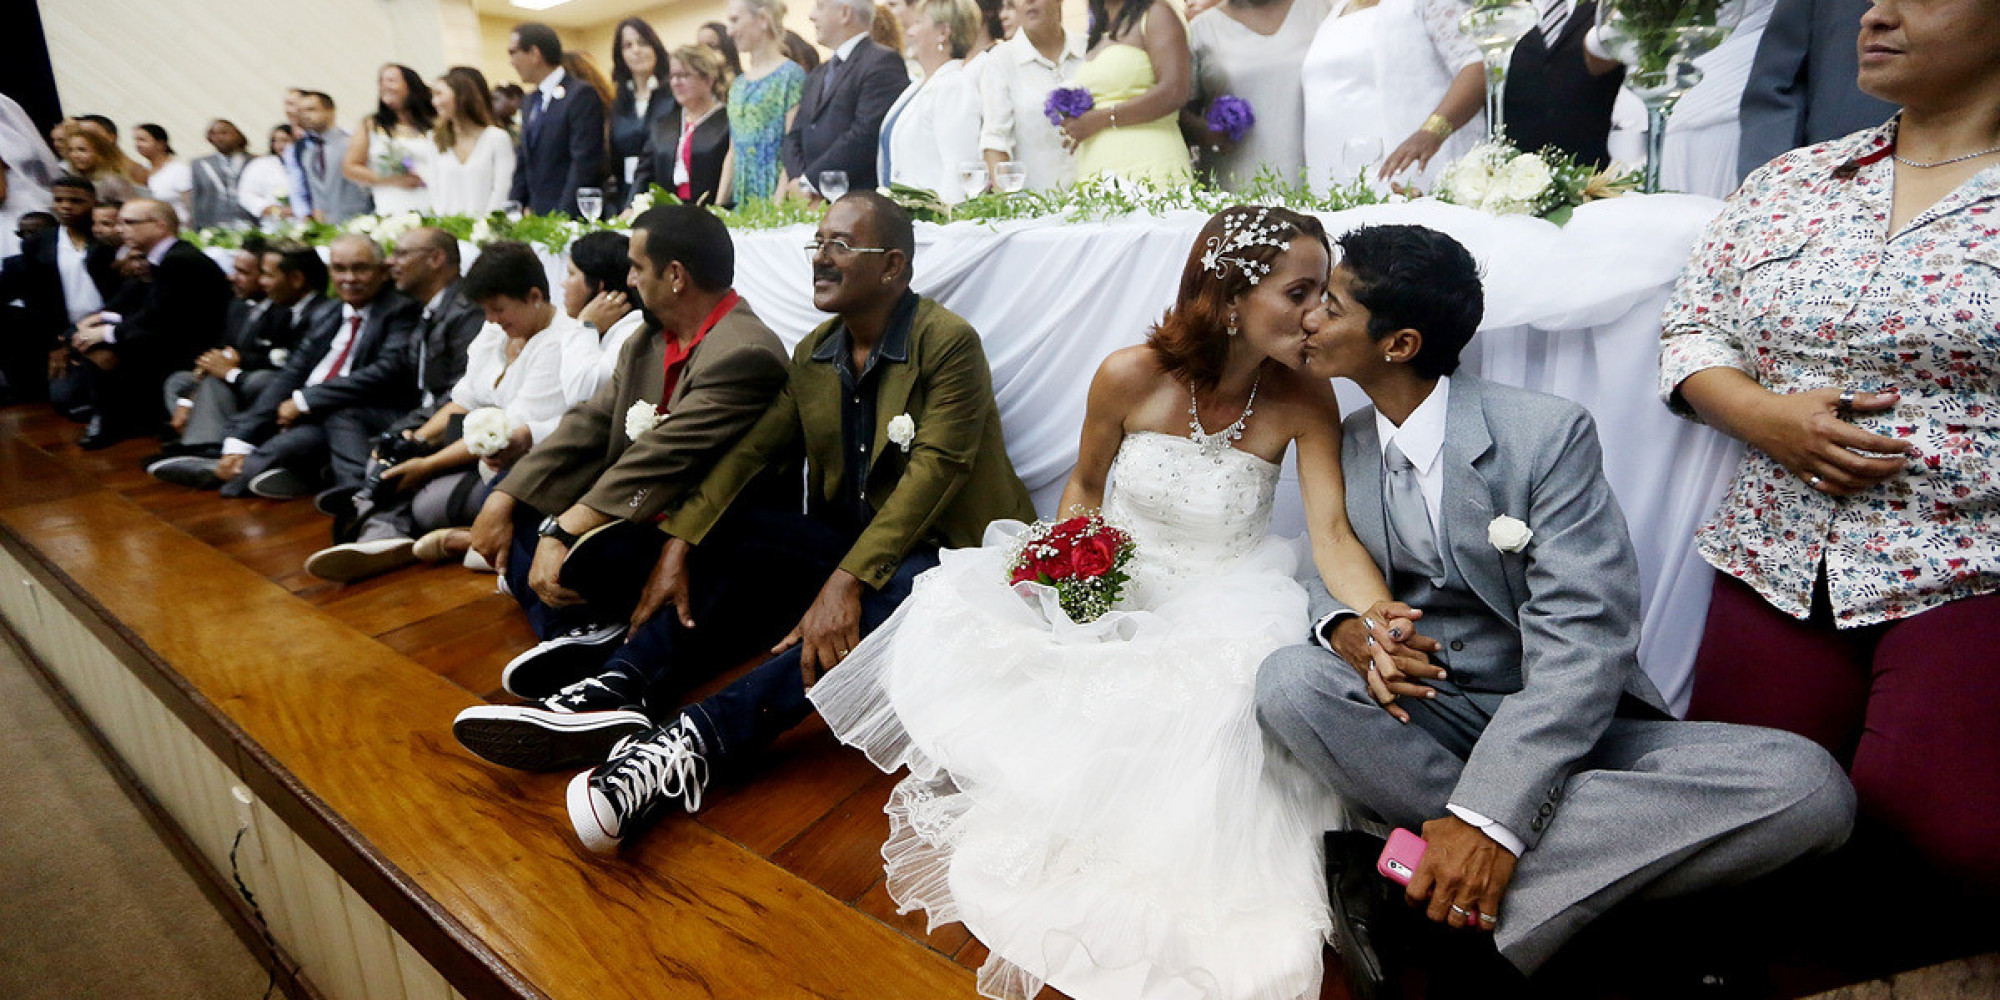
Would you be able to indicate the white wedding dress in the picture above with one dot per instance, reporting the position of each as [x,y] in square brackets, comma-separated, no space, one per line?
[1096,802]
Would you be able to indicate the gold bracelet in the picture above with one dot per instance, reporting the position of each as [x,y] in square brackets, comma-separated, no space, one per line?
[1438,125]
[1114,116]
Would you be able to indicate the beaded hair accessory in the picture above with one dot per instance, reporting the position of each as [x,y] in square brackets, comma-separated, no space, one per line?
[1242,231]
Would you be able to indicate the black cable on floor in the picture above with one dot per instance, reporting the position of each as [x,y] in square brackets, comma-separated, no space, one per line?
[256,912]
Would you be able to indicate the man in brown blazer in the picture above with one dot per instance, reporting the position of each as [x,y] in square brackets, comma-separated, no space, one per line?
[618,460]
[891,406]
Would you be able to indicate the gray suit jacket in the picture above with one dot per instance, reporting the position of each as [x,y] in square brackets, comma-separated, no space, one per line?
[331,193]
[1564,611]
[726,385]
[1802,88]
[213,199]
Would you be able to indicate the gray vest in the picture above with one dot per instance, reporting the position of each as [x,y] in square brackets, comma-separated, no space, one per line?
[1485,662]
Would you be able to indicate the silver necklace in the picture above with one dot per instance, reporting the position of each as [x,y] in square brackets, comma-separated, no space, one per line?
[1214,444]
[1945,163]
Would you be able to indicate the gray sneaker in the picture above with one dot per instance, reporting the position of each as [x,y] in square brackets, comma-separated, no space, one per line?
[280,484]
[191,471]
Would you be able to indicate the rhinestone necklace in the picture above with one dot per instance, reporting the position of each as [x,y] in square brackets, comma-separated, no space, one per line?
[1214,444]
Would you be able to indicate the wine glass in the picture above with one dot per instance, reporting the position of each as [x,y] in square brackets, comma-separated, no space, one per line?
[1361,157]
[590,203]
[972,178]
[1658,45]
[832,185]
[511,210]
[1011,177]
[1494,26]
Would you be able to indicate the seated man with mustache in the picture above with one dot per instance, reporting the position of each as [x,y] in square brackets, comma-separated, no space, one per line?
[891,406]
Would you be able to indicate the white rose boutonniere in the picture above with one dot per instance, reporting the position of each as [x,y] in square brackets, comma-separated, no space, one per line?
[487,431]
[279,356]
[557,94]
[642,417]
[902,431]
[1509,534]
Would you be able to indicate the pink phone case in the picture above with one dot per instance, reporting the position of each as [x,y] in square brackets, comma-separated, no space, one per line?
[1399,859]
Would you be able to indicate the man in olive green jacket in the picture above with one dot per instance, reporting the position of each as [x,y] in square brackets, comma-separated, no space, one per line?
[891,406]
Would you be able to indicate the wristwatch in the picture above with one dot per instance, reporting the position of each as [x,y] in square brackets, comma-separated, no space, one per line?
[551,529]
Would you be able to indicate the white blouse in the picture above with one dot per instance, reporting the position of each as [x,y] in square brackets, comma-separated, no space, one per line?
[934,127]
[173,183]
[262,185]
[531,389]
[481,184]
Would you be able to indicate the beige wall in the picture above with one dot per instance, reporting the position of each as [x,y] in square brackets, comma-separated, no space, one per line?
[181,63]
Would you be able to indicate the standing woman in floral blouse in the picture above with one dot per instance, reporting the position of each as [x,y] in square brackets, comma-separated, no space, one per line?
[762,100]
[1843,319]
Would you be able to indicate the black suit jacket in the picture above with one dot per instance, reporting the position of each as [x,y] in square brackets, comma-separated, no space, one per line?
[561,149]
[1802,86]
[1553,100]
[384,335]
[710,149]
[435,358]
[34,278]
[838,129]
[173,316]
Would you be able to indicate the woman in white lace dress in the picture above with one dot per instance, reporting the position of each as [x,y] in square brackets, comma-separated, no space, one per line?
[1394,83]
[392,151]
[1094,801]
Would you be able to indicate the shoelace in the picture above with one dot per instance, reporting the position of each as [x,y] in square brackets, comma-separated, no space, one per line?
[667,765]
[578,694]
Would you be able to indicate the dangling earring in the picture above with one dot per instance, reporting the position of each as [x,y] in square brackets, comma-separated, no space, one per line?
[1232,324]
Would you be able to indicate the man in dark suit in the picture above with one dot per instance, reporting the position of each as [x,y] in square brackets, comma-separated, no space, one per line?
[230,378]
[59,278]
[158,324]
[890,404]
[213,201]
[562,126]
[280,446]
[840,113]
[711,367]
[1561,87]
[1802,87]
[1538,760]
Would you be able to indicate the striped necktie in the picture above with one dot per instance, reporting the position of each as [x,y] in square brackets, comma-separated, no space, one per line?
[1554,15]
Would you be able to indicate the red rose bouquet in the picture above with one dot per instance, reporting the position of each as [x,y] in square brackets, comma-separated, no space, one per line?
[1082,559]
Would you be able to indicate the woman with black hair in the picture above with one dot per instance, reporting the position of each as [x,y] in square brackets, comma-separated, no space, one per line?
[171,181]
[639,75]
[595,294]
[1138,76]
[395,163]
[715,35]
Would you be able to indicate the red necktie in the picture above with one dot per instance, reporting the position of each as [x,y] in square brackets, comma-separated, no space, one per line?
[353,335]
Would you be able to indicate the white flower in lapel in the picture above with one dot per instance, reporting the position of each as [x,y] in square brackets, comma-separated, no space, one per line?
[642,417]
[902,431]
[1509,534]
[279,356]
[556,94]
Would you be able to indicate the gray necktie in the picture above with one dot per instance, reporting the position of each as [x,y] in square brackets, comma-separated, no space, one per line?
[1412,541]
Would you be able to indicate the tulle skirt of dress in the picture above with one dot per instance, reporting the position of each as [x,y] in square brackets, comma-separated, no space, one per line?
[1096,802]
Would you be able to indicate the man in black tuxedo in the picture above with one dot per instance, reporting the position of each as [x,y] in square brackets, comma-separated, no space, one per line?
[279,447]
[58,278]
[1561,85]
[158,324]
[562,125]
[1803,87]
[840,113]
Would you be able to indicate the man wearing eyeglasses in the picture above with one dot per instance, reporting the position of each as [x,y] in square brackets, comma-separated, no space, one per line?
[891,406]
[157,324]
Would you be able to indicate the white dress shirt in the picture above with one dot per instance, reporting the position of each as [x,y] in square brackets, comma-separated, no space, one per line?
[339,359]
[610,343]
[1013,90]
[80,295]
[531,389]
[262,183]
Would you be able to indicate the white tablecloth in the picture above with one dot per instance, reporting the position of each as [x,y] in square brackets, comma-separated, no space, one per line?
[1573,311]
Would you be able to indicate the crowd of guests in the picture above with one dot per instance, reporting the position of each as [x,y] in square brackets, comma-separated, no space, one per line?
[630,464]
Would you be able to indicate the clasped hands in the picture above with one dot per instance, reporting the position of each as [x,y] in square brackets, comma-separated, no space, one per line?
[1382,645]
[830,629]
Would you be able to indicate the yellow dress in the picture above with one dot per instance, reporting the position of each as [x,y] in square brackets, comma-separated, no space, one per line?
[1151,150]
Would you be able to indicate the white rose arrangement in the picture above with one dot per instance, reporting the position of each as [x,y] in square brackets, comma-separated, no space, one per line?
[1509,534]
[642,417]
[482,233]
[902,431]
[487,431]
[1498,179]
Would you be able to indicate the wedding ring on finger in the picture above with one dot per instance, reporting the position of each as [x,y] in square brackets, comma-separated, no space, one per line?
[1488,920]
[1845,406]
[1461,911]
[1814,481]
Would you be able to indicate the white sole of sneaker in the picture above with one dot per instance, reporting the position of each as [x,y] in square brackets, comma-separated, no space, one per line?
[347,563]
[536,739]
[583,816]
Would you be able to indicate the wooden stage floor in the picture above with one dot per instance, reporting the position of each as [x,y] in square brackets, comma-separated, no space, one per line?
[774,889]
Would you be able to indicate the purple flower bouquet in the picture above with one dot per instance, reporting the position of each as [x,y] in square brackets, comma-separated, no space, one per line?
[1231,116]
[1065,103]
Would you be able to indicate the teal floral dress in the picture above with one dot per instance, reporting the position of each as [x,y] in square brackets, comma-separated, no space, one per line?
[757,110]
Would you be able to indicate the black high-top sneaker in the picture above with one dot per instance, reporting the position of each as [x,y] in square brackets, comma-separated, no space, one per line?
[560,661]
[648,776]
[574,727]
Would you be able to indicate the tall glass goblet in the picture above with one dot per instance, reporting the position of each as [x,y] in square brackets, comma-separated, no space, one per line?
[1011,178]
[590,203]
[1658,43]
[832,185]
[1494,26]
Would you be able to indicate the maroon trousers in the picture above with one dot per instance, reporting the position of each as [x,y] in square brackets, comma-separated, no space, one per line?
[1911,708]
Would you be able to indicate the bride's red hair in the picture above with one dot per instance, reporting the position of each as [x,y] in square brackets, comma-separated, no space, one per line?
[1192,340]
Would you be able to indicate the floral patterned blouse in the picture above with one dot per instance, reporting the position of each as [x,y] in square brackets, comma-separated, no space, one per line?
[1799,284]
[757,110]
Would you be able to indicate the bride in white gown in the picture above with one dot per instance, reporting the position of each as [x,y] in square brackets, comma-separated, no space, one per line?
[1095,801]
